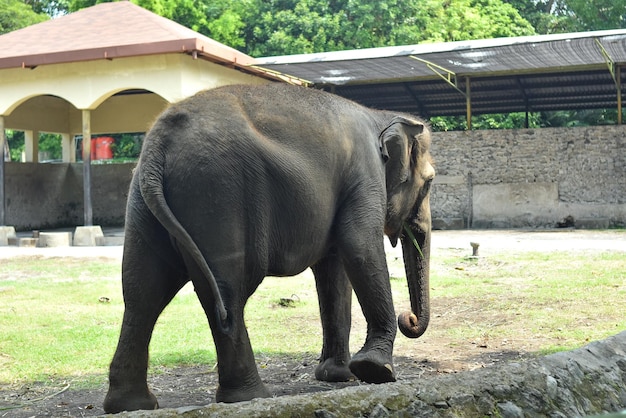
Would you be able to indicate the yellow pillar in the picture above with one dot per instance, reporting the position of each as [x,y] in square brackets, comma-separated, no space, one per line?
[88,210]
[31,146]
[69,148]
[3,139]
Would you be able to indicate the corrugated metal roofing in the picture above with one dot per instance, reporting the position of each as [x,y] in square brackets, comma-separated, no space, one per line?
[530,73]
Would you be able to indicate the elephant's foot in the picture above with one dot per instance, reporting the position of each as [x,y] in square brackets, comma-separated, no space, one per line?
[329,371]
[242,393]
[118,400]
[373,367]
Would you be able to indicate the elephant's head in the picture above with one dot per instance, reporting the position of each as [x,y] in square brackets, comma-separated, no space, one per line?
[405,146]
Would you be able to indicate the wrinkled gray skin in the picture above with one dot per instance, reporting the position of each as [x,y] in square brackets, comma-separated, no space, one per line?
[241,182]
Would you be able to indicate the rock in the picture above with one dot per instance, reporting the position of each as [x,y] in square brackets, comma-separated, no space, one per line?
[322,413]
[510,410]
[587,381]
[7,233]
[379,411]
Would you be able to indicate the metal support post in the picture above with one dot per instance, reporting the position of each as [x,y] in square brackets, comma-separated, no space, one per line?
[468,103]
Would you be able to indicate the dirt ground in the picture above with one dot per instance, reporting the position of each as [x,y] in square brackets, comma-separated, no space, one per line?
[289,375]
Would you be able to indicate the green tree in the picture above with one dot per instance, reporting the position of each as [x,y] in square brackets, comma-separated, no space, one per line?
[51,145]
[303,26]
[597,14]
[219,19]
[570,118]
[127,146]
[51,8]
[225,22]
[561,16]
[15,14]
[48,143]
[279,27]
[292,27]
[471,19]
[15,139]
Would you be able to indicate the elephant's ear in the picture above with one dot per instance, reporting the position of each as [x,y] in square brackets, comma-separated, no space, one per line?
[398,145]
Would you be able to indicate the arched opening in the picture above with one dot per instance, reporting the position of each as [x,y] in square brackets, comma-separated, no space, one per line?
[119,123]
[49,128]
[39,129]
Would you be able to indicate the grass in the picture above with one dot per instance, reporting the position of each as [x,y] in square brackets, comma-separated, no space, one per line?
[60,318]
[561,299]
[51,317]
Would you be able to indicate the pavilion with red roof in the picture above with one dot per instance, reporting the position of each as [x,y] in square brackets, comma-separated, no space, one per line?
[110,68]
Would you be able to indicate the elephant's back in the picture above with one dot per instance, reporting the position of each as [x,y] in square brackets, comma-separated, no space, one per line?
[278,112]
[273,122]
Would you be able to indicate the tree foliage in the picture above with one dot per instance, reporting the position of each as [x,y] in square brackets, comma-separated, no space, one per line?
[278,27]
[281,27]
[15,14]
[561,16]
[51,8]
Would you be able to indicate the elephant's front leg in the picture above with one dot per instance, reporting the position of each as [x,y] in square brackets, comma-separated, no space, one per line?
[367,269]
[335,300]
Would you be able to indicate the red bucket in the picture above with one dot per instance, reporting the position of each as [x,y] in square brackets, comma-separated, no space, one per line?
[103,148]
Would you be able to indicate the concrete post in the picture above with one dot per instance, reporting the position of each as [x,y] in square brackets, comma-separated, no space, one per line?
[69,148]
[3,139]
[6,232]
[31,146]
[88,210]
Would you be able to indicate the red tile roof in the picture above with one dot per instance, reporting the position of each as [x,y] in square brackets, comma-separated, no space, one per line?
[108,31]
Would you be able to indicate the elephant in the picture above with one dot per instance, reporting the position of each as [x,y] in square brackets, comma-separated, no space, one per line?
[241,182]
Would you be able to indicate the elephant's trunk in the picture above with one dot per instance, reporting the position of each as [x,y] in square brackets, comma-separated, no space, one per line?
[417,266]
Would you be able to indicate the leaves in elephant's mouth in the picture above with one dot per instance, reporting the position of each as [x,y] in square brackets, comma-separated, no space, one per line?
[412,238]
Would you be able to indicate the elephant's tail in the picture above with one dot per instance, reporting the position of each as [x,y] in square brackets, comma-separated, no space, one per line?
[151,186]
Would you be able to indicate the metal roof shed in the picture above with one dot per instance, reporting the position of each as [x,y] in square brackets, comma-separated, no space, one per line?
[503,75]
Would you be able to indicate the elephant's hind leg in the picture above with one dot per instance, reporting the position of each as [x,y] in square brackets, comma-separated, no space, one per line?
[239,378]
[335,300]
[149,284]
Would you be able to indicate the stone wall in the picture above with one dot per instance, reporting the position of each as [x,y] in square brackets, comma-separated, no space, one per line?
[530,177]
[485,179]
[40,196]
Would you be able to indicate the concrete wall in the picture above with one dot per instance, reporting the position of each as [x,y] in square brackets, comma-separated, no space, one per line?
[41,196]
[485,179]
[530,177]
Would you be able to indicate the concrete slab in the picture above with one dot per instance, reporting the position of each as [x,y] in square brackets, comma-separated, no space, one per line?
[6,233]
[55,239]
[88,236]
[595,223]
[25,242]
